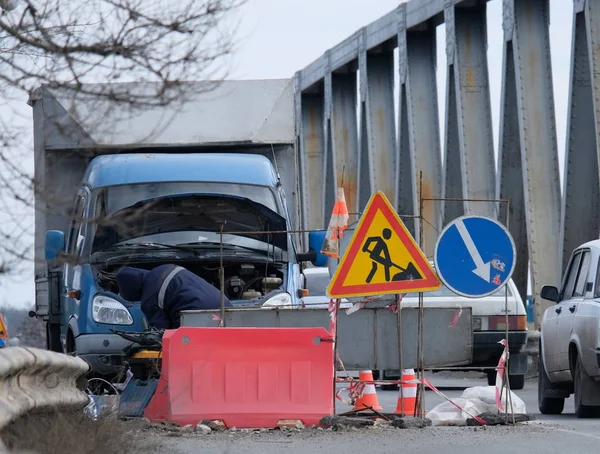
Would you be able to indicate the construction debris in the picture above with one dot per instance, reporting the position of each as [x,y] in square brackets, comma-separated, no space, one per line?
[203,429]
[411,422]
[500,419]
[346,421]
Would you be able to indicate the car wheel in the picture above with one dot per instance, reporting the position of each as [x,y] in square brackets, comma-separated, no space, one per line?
[582,411]
[491,377]
[547,405]
[516,382]
[389,387]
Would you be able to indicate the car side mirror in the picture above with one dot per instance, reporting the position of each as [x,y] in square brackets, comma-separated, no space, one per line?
[549,293]
[55,244]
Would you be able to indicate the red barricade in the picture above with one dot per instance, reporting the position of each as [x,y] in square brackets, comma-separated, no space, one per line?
[246,377]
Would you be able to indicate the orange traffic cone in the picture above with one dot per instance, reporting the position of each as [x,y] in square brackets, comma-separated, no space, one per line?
[369,395]
[337,225]
[407,398]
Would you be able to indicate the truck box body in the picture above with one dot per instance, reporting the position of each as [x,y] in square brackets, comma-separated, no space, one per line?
[231,116]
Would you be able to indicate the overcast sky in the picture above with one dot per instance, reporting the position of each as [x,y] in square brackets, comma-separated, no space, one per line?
[279,37]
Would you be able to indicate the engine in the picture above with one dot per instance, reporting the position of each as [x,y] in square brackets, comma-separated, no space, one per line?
[244,281]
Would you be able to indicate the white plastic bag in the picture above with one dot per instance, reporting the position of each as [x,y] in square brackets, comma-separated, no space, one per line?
[487,395]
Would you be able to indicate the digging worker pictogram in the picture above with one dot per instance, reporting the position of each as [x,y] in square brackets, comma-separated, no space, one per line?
[380,255]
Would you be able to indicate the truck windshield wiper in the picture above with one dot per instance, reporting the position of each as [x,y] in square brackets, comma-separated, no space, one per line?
[217,245]
[150,245]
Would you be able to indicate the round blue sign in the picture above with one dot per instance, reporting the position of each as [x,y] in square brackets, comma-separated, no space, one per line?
[475,256]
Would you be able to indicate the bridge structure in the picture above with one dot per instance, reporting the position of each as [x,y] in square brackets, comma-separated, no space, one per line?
[367,118]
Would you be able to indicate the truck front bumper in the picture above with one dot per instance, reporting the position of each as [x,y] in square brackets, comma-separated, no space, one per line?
[103,352]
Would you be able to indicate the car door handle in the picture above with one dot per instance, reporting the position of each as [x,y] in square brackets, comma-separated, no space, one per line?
[558,310]
[572,308]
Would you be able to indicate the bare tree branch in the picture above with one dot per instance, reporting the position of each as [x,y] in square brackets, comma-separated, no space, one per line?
[72,45]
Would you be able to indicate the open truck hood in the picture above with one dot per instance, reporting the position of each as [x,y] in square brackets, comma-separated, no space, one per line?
[202,212]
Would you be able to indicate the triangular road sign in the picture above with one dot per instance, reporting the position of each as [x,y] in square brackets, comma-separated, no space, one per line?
[382,257]
[3,331]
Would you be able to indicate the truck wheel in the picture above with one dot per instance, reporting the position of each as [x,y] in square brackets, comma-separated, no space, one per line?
[582,411]
[389,387]
[516,382]
[491,377]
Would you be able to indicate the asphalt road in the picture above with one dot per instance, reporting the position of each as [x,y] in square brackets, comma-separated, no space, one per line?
[548,434]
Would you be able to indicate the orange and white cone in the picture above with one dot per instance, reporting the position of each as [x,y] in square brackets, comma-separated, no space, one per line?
[407,395]
[337,225]
[369,395]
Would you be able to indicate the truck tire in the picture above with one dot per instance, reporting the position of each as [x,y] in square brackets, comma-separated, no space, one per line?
[547,405]
[491,377]
[582,411]
[53,338]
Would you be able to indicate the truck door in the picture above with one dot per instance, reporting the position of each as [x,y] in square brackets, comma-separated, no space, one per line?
[551,322]
[71,271]
[569,310]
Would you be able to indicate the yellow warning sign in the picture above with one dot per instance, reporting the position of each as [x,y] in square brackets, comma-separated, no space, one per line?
[382,257]
[3,330]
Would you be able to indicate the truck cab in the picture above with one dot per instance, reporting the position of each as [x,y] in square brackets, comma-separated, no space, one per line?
[200,211]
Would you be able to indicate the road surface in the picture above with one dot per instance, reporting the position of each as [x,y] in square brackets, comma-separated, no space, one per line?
[548,434]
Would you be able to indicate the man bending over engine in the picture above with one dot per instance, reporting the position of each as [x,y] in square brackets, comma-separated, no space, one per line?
[165,291]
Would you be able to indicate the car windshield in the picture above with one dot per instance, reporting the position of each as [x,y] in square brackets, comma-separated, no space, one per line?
[186,217]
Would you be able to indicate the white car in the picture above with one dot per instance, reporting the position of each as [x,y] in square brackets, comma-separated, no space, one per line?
[489,325]
[569,360]
[316,281]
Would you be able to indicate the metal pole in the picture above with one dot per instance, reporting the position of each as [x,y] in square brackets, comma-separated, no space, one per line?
[400,364]
[420,372]
[222,276]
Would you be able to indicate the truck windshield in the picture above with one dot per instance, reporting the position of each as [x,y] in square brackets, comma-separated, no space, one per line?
[171,213]
[118,197]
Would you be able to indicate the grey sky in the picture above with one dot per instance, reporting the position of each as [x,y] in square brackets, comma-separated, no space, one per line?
[279,37]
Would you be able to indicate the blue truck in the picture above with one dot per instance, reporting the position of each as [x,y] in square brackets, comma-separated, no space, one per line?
[216,188]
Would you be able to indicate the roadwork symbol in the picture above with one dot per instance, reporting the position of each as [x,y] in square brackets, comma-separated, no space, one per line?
[382,257]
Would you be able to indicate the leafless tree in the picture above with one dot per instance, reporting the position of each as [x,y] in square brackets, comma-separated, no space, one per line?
[66,45]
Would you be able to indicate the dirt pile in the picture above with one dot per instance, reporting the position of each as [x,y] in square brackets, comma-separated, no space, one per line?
[54,432]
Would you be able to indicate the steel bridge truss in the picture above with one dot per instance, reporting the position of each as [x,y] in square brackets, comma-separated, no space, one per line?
[350,130]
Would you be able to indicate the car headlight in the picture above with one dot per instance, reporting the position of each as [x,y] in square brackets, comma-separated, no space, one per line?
[109,311]
[279,300]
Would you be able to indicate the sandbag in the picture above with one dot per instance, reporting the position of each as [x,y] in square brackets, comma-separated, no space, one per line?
[487,395]
[446,414]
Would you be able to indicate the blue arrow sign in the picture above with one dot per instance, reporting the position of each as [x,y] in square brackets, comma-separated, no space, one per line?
[474,256]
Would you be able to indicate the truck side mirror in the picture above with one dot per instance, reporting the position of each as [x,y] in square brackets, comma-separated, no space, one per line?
[55,244]
[549,293]
[309,256]
[315,242]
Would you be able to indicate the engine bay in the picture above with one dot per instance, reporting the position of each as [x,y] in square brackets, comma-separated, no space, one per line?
[242,281]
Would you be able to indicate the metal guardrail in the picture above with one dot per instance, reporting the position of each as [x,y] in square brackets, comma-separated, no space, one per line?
[32,379]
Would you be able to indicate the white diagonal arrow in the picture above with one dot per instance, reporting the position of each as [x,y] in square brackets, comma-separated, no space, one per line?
[481,269]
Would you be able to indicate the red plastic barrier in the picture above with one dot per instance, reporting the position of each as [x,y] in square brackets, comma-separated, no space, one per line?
[246,377]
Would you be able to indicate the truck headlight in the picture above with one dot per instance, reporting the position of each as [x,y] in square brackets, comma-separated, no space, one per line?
[279,300]
[109,311]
